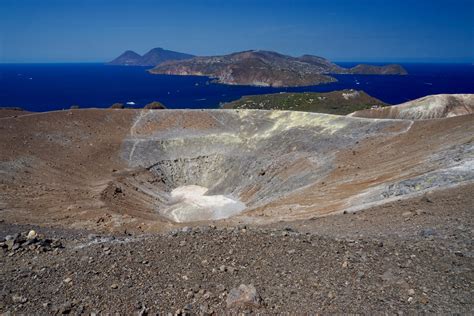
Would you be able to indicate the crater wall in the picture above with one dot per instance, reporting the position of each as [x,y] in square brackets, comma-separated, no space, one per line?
[148,169]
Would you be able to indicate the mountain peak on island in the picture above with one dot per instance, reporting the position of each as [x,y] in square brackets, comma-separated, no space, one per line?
[127,58]
[131,52]
[159,55]
[153,57]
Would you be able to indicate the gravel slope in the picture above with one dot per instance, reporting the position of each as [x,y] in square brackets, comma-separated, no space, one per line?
[413,256]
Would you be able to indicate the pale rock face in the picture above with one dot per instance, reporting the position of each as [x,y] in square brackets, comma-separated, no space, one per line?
[429,107]
[232,164]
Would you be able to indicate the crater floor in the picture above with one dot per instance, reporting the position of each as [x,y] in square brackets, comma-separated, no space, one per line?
[192,204]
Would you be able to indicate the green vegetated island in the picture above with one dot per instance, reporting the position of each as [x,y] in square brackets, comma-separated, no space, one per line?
[253,67]
[336,102]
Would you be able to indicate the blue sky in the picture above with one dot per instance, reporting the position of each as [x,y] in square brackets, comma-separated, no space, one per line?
[363,30]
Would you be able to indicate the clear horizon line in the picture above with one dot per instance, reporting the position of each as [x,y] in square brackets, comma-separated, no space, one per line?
[407,61]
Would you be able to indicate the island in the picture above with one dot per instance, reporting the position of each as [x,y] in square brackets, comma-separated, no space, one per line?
[154,57]
[267,68]
[340,102]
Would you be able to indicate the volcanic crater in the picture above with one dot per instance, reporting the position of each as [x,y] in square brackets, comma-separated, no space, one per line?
[151,170]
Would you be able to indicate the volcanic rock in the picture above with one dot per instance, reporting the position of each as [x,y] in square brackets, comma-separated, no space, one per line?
[155,105]
[243,296]
[31,235]
[117,106]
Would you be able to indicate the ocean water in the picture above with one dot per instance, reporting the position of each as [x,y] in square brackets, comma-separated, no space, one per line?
[45,87]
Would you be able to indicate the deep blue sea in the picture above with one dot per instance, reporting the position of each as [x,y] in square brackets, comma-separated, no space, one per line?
[44,87]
